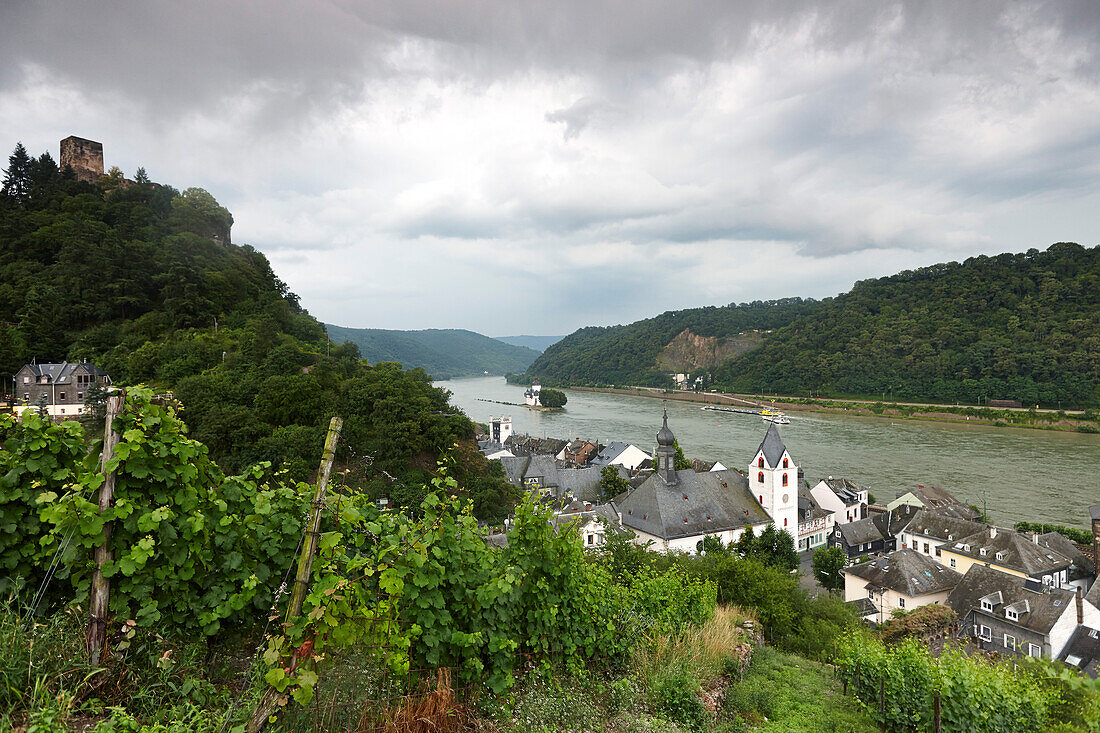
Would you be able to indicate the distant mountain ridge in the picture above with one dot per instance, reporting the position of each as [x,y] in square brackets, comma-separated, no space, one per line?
[1020,326]
[538,343]
[442,353]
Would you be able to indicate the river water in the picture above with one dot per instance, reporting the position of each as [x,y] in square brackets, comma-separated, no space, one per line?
[1020,474]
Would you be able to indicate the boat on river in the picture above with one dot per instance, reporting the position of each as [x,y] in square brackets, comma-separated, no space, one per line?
[774,416]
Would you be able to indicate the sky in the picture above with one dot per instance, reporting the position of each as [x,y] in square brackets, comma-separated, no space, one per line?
[535,167]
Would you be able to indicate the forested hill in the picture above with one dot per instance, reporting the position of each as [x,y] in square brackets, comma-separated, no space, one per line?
[442,353]
[140,279]
[1014,326]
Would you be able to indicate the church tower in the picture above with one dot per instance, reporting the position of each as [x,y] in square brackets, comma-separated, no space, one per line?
[665,455]
[773,480]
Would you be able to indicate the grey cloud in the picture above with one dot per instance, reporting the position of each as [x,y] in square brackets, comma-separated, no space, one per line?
[577,115]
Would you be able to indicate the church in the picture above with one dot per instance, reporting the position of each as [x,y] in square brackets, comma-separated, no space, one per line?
[674,510]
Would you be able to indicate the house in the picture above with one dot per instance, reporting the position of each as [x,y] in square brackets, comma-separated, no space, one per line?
[875,534]
[543,474]
[900,580]
[1015,616]
[1009,552]
[593,523]
[626,455]
[578,453]
[494,451]
[815,523]
[846,499]
[930,530]
[500,429]
[61,388]
[936,497]
[1083,651]
[525,445]
[672,510]
[1083,570]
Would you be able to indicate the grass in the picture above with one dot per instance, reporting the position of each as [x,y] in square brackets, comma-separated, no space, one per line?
[785,693]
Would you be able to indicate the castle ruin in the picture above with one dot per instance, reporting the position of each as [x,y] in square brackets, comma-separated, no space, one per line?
[85,157]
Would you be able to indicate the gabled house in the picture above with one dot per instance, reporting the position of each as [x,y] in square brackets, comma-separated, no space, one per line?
[674,510]
[929,530]
[1018,617]
[1009,552]
[593,523]
[876,534]
[900,580]
[846,499]
[542,473]
[62,388]
[578,453]
[525,445]
[626,455]
[937,498]
[814,522]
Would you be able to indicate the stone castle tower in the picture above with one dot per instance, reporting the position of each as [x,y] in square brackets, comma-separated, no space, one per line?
[84,156]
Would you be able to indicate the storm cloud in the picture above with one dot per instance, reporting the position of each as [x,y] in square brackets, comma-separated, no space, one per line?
[535,167]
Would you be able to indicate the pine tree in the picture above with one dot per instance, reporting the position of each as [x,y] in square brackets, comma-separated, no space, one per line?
[17,176]
[141,176]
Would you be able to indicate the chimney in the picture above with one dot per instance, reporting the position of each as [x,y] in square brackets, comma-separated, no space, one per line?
[1035,538]
[1080,606]
[992,532]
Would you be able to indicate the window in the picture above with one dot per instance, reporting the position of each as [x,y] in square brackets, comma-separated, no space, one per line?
[784,479]
[1033,650]
[901,603]
[1011,614]
[952,562]
[760,477]
[985,633]
[870,594]
[760,463]
[1010,641]
[62,395]
[925,548]
[784,521]
[761,498]
[938,553]
[785,463]
[26,380]
[987,605]
[590,539]
[80,396]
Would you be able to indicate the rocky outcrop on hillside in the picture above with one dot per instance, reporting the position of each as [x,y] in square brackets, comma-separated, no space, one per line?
[689,351]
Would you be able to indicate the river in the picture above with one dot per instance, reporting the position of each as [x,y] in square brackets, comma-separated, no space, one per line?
[1019,474]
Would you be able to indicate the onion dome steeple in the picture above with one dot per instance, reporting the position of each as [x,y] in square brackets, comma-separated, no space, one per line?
[664,435]
[666,454]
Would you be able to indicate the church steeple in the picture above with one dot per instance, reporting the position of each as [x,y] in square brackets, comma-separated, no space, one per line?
[666,454]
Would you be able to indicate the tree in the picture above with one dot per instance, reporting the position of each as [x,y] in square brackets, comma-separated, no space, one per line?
[141,176]
[828,565]
[552,397]
[746,544]
[17,176]
[776,548]
[680,461]
[612,483]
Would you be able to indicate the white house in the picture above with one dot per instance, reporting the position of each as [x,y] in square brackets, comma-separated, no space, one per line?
[845,499]
[620,454]
[774,481]
[500,429]
[901,580]
[531,395]
[592,523]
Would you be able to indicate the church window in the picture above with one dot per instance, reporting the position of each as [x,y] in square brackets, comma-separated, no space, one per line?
[761,498]
[785,463]
[784,479]
[760,463]
[760,477]
[784,521]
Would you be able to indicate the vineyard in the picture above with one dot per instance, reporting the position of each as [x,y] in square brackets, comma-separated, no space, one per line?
[251,602]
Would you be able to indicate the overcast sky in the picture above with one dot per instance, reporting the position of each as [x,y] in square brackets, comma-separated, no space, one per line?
[533,167]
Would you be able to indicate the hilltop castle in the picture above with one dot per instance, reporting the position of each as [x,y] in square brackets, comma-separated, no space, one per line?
[85,157]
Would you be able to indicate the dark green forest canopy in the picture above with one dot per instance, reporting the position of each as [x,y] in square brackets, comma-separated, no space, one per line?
[1014,326]
[141,280]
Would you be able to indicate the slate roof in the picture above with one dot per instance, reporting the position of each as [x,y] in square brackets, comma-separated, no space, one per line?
[808,508]
[1066,547]
[1044,607]
[772,446]
[845,490]
[863,606]
[525,445]
[582,483]
[907,572]
[610,452]
[938,498]
[715,502]
[1010,549]
[607,512]
[1084,647]
[1093,596]
[515,468]
[62,373]
[877,527]
[944,527]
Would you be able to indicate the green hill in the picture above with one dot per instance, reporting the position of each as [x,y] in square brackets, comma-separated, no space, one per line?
[141,279]
[1015,326]
[443,353]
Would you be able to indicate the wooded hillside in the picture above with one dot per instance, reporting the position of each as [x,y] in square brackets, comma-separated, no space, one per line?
[1015,326]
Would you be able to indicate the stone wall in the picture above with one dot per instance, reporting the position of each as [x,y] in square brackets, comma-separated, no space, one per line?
[84,156]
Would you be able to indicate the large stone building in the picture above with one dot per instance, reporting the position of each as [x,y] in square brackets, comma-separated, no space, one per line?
[60,388]
[674,510]
[85,157]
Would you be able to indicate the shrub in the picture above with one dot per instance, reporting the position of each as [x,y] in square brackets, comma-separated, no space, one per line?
[678,698]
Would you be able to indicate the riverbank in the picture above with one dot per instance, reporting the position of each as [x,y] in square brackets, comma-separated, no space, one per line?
[1034,420]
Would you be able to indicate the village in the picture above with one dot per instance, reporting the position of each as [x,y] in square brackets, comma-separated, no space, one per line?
[1012,593]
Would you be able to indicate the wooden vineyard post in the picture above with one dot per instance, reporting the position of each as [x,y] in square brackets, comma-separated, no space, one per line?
[312,530]
[310,536]
[936,720]
[101,588]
